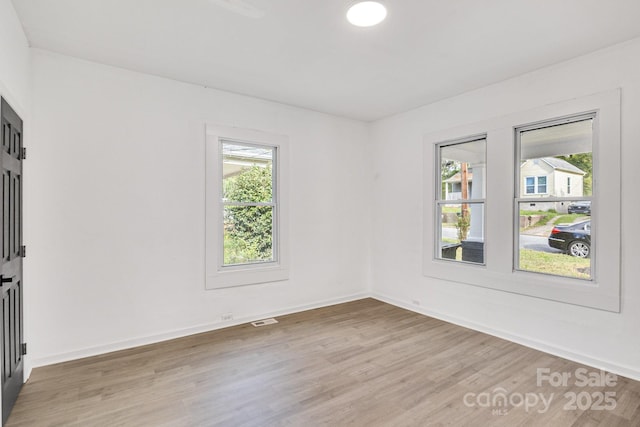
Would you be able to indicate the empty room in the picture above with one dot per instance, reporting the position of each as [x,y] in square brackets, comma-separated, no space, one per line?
[320,213]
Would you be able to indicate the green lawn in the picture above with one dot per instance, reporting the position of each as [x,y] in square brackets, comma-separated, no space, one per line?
[569,218]
[546,216]
[557,219]
[451,209]
[558,264]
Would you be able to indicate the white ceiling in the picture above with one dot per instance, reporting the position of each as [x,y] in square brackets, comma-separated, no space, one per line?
[304,53]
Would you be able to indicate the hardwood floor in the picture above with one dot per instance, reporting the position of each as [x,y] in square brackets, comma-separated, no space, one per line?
[363,363]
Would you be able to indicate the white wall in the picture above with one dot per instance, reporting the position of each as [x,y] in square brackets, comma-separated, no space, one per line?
[14,61]
[595,337]
[116,196]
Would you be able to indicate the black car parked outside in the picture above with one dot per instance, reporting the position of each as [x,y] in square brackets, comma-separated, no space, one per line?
[574,239]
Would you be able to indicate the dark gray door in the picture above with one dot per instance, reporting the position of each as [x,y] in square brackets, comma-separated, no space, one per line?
[12,253]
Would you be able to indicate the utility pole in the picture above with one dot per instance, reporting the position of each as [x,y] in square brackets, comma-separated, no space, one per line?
[464,182]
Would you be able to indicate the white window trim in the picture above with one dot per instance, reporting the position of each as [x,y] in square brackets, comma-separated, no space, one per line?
[217,275]
[603,291]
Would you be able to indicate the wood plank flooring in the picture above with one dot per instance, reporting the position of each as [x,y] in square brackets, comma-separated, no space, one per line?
[363,363]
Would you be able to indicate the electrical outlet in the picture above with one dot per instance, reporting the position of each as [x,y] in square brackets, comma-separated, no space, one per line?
[227,316]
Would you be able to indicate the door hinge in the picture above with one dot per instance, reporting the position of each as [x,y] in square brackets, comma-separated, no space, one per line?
[23,251]
[24,348]
[24,153]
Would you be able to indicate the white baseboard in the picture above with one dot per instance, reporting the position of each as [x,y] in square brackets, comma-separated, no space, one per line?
[624,371]
[179,333]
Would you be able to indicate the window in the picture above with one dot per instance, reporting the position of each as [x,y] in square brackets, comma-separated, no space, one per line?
[248,203]
[530,183]
[543,180]
[246,240]
[553,239]
[542,185]
[460,200]
[535,184]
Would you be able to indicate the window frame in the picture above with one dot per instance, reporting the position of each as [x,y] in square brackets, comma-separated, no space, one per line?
[498,273]
[526,198]
[273,204]
[217,274]
[439,201]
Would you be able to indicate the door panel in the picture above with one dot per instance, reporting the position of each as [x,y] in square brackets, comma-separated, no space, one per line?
[6,184]
[11,262]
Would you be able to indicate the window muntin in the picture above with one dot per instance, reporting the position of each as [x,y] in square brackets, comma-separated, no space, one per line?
[553,239]
[460,200]
[248,203]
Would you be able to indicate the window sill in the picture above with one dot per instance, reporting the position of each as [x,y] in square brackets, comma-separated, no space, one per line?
[239,276]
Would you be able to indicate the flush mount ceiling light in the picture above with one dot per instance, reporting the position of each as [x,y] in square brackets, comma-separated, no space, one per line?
[366,14]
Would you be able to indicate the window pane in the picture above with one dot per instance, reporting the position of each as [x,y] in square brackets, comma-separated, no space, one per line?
[542,184]
[555,153]
[248,234]
[462,177]
[461,232]
[247,173]
[555,236]
[530,183]
[555,243]
[462,169]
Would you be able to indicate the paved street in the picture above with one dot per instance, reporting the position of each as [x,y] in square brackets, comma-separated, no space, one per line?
[536,238]
[537,243]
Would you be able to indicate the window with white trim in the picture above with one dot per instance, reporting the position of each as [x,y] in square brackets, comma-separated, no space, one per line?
[544,177]
[551,238]
[535,184]
[246,240]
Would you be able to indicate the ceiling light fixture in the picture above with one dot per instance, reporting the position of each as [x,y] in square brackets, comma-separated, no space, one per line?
[366,14]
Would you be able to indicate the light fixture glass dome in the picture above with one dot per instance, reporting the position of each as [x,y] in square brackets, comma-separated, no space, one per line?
[366,13]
